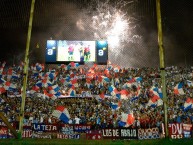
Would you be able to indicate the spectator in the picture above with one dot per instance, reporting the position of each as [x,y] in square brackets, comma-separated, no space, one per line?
[88,83]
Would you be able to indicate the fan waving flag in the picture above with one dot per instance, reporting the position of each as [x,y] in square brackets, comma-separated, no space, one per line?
[9,86]
[61,113]
[178,89]
[49,95]
[115,106]
[126,119]
[156,92]
[53,89]
[188,104]
[113,91]
[124,94]
[74,82]
[156,97]
[155,101]
[100,97]
[39,67]
[34,89]
[72,91]
[130,83]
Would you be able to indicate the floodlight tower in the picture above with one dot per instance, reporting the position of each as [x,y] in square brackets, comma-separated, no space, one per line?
[162,65]
[25,71]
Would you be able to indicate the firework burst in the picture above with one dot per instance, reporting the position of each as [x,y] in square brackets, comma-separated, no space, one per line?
[108,20]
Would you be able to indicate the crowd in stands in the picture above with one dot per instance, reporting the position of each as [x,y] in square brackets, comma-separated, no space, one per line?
[97,95]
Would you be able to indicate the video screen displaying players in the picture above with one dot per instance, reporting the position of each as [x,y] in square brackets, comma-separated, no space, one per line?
[65,51]
[78,51]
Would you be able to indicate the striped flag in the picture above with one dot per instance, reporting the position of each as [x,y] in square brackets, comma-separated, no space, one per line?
[188,104]
[39,67]
[100,97]
[34,89]
[9,86]
[126,119]
[72,91]
[124,94]
[74,82]
[61,113]
[115,106]
[53,89]
[178,89]
[49,95]
[155,100]
[113,91]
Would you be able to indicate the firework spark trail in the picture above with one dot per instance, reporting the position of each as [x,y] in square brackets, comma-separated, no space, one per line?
[107,20]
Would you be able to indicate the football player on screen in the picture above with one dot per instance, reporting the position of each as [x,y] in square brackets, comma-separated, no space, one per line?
[81,50]
[87,53]
[70,52]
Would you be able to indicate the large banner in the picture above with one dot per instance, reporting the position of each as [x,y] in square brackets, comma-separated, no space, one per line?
[27,133]
[128,133]
[120,133]
[66,129]
[175,131]
[37,127]
[187,130]
[67,132]
[42,135]
[81,127]
[94,135]
[3,132]
[111,133]
[149,133]
[68,136]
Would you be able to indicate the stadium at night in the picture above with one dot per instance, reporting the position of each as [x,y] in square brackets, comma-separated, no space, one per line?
[96,72]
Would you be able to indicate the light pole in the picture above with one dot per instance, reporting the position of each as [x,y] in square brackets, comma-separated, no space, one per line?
[162,65]
[25,71]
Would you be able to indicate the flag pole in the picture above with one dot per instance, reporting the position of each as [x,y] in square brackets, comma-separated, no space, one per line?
[162,65]
[25,71]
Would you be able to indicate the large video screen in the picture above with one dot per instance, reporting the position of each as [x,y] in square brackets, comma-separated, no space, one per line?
[76,51]
[65,51]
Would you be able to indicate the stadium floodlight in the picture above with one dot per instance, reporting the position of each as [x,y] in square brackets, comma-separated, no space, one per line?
[25,71]
[162,66]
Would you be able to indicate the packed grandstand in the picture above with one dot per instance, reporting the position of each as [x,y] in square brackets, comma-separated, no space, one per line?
[83,98]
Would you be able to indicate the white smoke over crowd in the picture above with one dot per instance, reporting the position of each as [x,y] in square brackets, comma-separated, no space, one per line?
[130,26]
[129,42]
[108,21]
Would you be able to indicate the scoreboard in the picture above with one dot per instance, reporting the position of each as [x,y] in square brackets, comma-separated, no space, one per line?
[65,51]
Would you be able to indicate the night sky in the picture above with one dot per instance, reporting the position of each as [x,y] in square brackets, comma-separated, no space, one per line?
[56,19]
